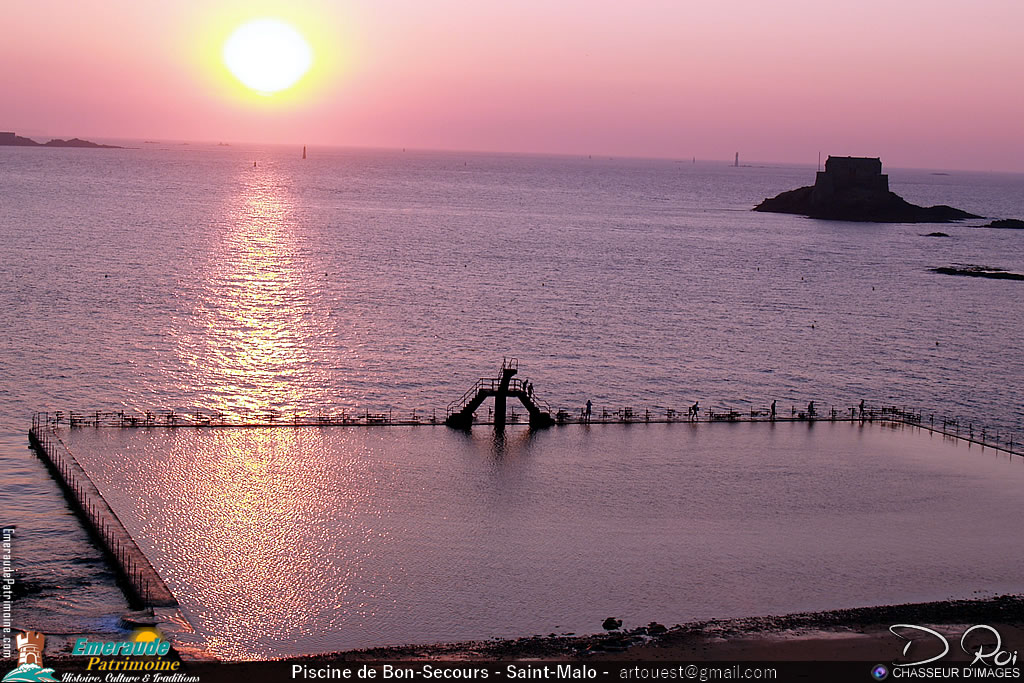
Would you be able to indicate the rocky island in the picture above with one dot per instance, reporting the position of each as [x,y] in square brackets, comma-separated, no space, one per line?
[11,140]
[854,189]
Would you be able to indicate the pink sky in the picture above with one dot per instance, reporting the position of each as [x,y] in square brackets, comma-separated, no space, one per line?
[932,84]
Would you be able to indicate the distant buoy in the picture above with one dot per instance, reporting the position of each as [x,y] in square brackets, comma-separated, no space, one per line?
[254,164]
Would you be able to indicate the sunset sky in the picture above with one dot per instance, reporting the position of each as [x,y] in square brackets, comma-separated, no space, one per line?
[921,83]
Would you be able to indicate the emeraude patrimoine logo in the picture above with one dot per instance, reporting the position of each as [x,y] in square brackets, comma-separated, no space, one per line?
[112,655]
[30,660]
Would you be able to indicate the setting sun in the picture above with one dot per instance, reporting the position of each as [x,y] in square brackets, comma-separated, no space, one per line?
[267,55]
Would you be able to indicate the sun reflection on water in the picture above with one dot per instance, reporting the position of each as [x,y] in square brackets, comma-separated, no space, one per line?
[269,532]
[256,332]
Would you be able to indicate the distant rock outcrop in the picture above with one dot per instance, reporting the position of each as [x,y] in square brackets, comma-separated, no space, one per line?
[1008,223]
[854,189]
[77,142]
[978,271]
[10,139]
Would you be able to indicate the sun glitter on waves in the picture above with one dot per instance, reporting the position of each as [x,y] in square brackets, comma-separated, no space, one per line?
[267,55]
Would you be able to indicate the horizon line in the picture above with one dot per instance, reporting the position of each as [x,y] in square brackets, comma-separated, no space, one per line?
[727,161]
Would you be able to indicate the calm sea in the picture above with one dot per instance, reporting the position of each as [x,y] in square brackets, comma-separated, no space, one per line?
[184,277]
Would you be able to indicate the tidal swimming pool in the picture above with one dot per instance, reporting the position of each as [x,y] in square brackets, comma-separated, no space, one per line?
[287,541]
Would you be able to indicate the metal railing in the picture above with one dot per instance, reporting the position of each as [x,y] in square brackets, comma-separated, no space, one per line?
[200,418]
[957,427]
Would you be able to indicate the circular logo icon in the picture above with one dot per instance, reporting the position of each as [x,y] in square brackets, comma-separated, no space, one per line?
[880,672]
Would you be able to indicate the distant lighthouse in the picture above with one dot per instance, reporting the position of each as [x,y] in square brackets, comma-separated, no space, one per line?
[303,151]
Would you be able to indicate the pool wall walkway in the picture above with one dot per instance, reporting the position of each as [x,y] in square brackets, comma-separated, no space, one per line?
[954,428]
[143,586]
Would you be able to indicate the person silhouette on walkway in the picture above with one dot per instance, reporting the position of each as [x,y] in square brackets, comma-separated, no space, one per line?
[772,416]
[589,407]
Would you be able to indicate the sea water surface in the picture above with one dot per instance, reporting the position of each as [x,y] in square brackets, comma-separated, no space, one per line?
[171,276]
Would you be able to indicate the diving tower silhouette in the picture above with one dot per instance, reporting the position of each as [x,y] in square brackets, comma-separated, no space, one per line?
[460,411]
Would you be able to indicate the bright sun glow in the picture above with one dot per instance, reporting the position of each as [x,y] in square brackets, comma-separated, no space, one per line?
[267,55]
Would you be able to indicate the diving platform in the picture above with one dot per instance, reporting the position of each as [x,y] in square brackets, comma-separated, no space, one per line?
[460,411]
